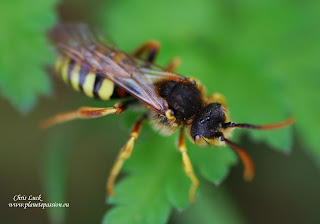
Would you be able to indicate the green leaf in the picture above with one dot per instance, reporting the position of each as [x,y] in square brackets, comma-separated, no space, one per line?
[297,62]
[156,180]
[281,42]
[24,50]
[147,182]
[220,210]
[213,163]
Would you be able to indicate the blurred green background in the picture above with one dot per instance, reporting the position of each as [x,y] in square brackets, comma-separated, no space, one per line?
[262,55]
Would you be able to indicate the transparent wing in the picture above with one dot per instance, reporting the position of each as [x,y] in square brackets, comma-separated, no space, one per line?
[76,34]
[87,47]
[155,73]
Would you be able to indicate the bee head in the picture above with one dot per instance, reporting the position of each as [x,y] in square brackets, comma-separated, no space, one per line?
[212,126]
[208,127]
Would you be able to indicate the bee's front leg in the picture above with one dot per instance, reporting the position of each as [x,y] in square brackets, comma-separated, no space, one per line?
[188,167]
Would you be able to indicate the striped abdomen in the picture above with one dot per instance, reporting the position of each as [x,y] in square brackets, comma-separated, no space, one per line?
[87,82]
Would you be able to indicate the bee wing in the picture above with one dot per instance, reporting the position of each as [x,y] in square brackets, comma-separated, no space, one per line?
[76,34]
[86,47]
[155,73]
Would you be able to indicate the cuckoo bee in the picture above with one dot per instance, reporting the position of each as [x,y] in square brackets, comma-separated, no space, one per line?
[90,63]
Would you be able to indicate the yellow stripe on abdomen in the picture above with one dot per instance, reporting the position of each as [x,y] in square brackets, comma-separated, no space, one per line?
[75,77]
[65,68]
[84,80]
[59,63]
[106,89]
[88,84]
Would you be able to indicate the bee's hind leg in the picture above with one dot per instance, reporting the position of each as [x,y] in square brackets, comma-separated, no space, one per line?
[124,154]
[84,112]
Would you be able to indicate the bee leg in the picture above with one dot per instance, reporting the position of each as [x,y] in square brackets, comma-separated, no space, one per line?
[83,112]
[174,64]
[152,48]
[188,167]
[124,154]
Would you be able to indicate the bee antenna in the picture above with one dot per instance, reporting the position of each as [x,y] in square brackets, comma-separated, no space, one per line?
[246,160]
[282,124]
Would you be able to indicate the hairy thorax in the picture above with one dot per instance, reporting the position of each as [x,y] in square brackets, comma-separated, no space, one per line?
[185,99]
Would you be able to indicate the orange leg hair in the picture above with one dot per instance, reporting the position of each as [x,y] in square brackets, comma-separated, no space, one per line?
[188,167]
[124,154]
[81,113]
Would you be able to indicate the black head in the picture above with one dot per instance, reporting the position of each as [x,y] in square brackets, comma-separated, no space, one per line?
[209,125]
[213,127]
